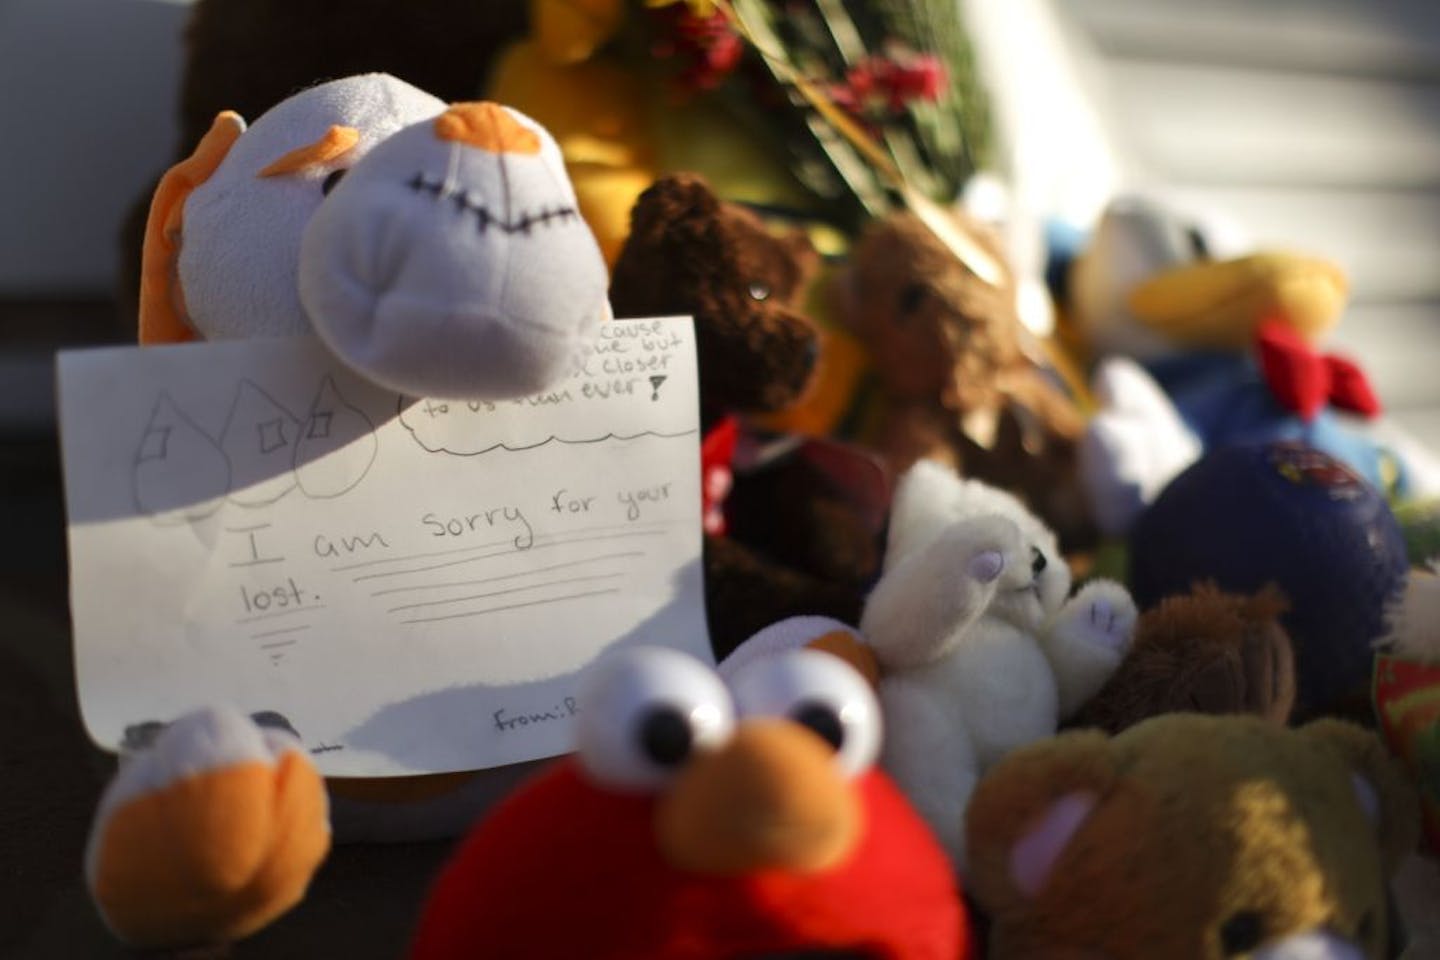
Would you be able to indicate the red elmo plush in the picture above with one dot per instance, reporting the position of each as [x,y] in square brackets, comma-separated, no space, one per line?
[682,831]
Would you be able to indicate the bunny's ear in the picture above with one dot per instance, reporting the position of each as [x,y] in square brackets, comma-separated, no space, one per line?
[922,506]
[163,317]
[1026,811]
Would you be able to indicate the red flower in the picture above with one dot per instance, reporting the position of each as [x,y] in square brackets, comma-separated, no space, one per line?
[923,77]
[898,79]
[706,46]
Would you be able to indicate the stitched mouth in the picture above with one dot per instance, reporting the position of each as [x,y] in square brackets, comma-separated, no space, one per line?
[465,203]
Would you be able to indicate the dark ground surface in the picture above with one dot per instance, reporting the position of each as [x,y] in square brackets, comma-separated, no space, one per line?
[361,904]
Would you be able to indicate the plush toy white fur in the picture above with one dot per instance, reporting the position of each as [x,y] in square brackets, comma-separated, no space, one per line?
[1412,618]
[1136,442]
[980,650]
[1133,446]
[437,250]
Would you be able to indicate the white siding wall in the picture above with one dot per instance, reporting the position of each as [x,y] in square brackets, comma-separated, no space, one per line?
[1315,124]
[86,118]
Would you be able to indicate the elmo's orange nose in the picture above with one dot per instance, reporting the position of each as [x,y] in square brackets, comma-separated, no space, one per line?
[771,798]
[487,126]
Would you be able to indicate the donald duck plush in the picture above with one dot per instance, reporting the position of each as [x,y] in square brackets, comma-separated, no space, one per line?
[1195,351]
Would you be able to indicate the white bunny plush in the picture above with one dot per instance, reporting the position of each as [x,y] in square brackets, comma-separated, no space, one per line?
[981,648]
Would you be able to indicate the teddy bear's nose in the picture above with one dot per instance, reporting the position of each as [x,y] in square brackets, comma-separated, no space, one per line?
[771,798]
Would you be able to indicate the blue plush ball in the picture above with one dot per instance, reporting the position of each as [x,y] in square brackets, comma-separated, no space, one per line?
[1286,514]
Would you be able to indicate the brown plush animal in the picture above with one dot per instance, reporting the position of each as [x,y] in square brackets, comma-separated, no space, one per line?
[1191,838]
[795,544]
[956,384]
[1203,652]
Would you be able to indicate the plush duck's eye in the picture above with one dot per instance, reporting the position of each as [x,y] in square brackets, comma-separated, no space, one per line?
[1038,563]
[818,691]
[1199,246]
[1241,933]
[331,178]
[759,292]
[644,712]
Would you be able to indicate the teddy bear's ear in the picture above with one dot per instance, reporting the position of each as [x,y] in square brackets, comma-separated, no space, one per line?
[162,302]
[920,508]
[1381,787]
[1026,811]
[675,240]
[673,201]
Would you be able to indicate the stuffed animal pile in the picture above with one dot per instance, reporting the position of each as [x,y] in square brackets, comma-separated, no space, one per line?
[911,698]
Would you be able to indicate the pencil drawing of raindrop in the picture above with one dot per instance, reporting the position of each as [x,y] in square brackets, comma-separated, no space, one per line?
[259,438]
[336,447]
[180,474]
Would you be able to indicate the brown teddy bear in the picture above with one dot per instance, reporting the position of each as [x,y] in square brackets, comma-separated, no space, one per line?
[795,542]
[954,379]
[1191,838]
[1205,651]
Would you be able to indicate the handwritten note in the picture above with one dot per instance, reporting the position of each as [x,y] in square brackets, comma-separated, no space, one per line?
[413,584]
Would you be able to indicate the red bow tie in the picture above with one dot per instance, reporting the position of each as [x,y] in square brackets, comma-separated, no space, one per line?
[717,452]
[1303,380]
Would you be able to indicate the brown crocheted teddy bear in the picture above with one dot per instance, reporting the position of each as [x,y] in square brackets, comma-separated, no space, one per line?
[799,535]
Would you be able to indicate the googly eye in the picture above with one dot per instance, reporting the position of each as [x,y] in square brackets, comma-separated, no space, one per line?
[643,712]
[819,691]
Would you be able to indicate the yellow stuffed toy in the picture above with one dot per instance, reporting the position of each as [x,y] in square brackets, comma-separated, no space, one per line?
[597,109]
[618,124]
